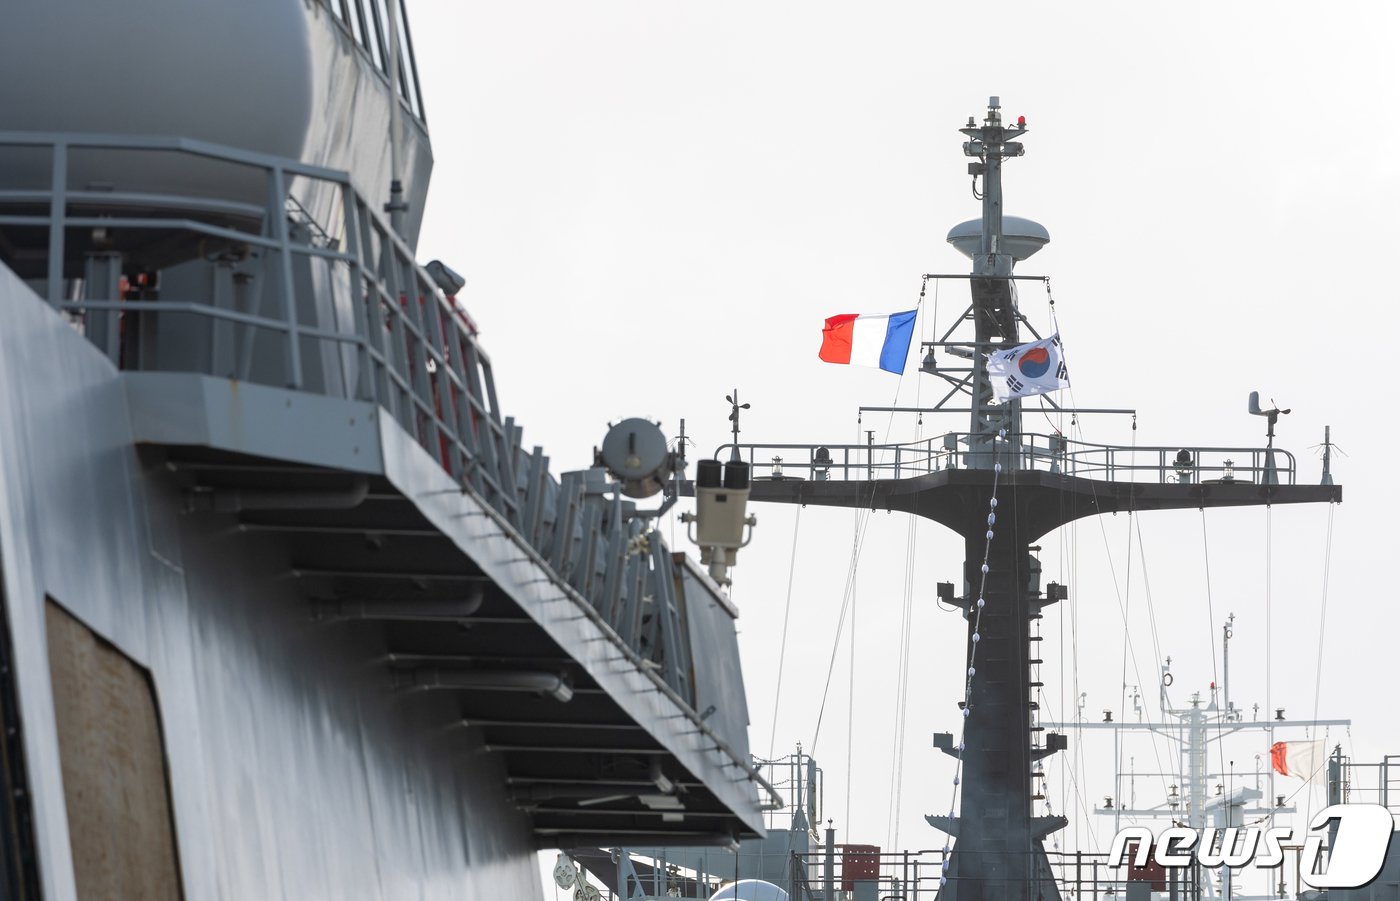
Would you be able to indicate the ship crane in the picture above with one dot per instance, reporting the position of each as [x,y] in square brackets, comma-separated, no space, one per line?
[1041,482]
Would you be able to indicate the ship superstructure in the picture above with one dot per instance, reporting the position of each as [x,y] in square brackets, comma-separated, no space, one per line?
[290,608]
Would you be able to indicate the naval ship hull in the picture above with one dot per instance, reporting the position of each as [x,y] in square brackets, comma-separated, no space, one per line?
[292,768]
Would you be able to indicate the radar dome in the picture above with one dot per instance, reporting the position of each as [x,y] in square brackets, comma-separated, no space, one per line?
[235,73]
[1020,237]
[750,890]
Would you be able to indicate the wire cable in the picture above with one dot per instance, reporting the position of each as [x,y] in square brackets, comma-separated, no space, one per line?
[782,646]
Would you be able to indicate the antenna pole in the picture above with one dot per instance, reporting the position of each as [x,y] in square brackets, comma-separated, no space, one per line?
[1327,455]
[995,314]
[1228,633]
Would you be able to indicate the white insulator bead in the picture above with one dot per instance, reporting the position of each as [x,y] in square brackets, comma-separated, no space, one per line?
[976,637]
[981,602]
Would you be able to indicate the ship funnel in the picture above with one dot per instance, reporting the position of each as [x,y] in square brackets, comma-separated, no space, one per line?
[1020,237]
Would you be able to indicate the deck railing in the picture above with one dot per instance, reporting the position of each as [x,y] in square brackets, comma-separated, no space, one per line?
[335,305]
[1028,451]
[177,255]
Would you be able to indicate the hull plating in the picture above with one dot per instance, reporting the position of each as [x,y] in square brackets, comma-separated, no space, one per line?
[295,770]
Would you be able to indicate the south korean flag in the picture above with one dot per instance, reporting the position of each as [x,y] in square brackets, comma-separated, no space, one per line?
[1035,368]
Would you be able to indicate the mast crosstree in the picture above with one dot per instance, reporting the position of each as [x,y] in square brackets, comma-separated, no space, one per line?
[1044,482]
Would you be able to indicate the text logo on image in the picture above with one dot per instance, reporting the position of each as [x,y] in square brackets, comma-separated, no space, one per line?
[1356,856]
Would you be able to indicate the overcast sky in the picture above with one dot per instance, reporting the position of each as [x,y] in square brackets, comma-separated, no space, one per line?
[657,202]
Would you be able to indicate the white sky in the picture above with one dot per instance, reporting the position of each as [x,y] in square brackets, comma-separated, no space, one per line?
[656,202]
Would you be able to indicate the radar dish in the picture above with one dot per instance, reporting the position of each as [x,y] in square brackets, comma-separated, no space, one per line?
[634,451]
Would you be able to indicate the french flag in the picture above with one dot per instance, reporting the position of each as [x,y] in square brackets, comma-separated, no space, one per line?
[881,341]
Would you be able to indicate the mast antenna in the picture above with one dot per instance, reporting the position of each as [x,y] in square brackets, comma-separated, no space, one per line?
[734,408]
[1270,468]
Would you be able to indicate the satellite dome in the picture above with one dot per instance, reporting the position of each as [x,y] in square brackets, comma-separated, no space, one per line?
[750,890]
[1020,237]
[230,73]
[236,74]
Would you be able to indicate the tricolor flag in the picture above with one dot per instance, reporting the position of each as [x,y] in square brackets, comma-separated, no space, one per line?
[881,341]
[1026,369]
[1297,758]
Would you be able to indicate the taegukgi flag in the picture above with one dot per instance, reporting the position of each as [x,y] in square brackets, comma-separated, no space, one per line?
[866,340]
[1026,369]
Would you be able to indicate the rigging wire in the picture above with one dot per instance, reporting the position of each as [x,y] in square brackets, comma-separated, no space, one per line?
[1123,675]
[840,623]
[1151,608]
[902,686]
[1072,771]
[862,519]
[851,699]
[906,619]
[1322,617]
[1210,612]
[1129,649]
[1269,627]
[782,646]
[1129,646]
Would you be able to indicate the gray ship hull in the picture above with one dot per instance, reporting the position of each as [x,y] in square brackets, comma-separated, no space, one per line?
[295,770]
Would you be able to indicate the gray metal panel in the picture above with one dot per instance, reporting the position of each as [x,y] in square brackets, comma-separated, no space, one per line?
[295,771]
[714,644]
[179,408]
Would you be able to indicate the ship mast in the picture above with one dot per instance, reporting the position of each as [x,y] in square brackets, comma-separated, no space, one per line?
[1039,483]
[993,292]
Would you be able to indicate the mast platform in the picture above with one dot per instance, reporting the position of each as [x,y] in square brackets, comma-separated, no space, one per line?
[1054,480]
[957,498]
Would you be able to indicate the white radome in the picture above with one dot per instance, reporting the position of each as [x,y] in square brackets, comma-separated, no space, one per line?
[750,890]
